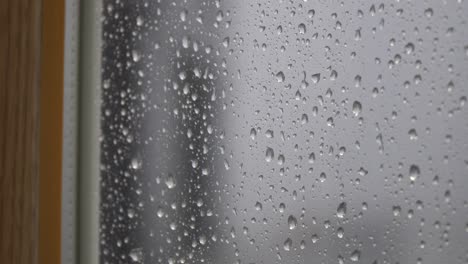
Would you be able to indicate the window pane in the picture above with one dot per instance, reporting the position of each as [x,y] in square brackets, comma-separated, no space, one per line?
[284,132]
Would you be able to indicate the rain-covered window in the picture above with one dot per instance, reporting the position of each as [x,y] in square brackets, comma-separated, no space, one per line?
[284,131]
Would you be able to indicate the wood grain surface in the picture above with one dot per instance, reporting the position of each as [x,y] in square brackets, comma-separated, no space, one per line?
[51,123]
[19,76]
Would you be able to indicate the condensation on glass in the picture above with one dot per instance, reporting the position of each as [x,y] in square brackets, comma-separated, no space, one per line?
[284,132]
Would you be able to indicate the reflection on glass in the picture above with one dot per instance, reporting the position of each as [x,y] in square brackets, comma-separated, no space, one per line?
[284,132]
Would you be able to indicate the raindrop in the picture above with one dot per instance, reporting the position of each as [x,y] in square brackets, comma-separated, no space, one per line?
[312,157]
[185,42]
[304,119]
[269,154]
[281,159]
[409,48]
[357,35]
[333,75]
[139,21]
[341,210]
[280,77]
[357,108]
[183,15]
[135,163]
[396,210]
[226,42]
[136,255]
[323,177]
[287,244]
[303,244]
[302,28]
[315,78]
[202,239]
[414,172]
[356,255]
[340,232]
[412,134]
[314,238]
[170,181]
[258,206]
[292,222]
[279,30]
[130,213]
[135,56]
[428,12]
[282,207]
[253,133]
[160,212]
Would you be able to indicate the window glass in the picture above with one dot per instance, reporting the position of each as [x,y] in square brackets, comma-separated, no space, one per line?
[284,132]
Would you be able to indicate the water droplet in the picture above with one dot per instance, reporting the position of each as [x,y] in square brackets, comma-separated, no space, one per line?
[135,163]
[304,119]
[139,21]
[226,42]
[340,232]
[302,28]
[160,212]
[341,210]
[396,210]
[282,207]
[269,133]
[135,56]
[414,172]
[280,77]
[170,181]
[182,75]
[462,101]
[357,35]
[253,133]
[412,134]
[333,75]
[315,78]
[357,108]
[409,48]
[136,255]
[303,244]
[314,238]
[292,222]
[185,42]
[281,159]
[428,12]
[323,177]
[219,16]
[312,157]
[202,239]
[356,255]
[279,30]
[226,164]
[106,84]
[287,244]
[130,213]
[258,206]
[269,154]
[183,15]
